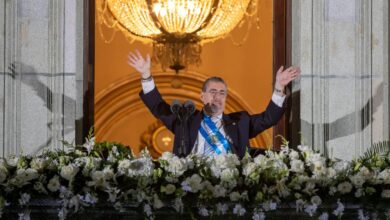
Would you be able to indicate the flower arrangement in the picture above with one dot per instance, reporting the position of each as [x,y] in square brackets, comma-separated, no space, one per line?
[83,176]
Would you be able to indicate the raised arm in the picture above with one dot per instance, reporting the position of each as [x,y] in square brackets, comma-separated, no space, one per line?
[140,64]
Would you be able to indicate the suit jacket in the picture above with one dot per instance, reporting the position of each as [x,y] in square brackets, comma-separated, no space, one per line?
[239,126]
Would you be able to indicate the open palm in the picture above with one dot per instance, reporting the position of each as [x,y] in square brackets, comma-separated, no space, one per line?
[284,77]
[139,63]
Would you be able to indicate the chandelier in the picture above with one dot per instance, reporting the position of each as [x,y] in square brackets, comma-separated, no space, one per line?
[177,29]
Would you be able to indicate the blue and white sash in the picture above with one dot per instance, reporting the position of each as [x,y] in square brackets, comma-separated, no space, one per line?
[214,140]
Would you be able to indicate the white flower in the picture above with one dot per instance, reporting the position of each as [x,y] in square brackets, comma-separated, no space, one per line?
[222,209]
[177,166]
[108,173]
[226,161]
[332,190]
[24,176]
[142,166]
[239,210]
[203,211]
[38,186]
[319,167]
[228,175]
[311,209]
[316,200]
[344,187]
[283,190]
[25,215]
[341,166]
[89,198]
[269,205]
[357,180]
[178,205]
[260,160]
[304,148]
[249,168]
[324,216]
[157,203]
[258,216]
[13,161]
[69,172]
[366,173]
[385,193]
[310,188]
[385,176]
[123,166]
[272,205]
[244,196]
[3,173]
[339,211]
[192,184]
[168,189]
[54,184]
[359,192]
[74,202]
[219,191]
[293,155]
[112,193]
[297,166]
[24,199]
[89,143]
[148,210]
[361,215]
[299,204]
[98,179]
[331,173]
[234,196]
[38,163]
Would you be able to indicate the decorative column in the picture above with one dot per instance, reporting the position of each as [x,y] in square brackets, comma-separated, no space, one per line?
[41,63]
[342,48]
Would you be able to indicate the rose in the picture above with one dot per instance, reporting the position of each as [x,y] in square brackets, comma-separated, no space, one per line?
[69,172]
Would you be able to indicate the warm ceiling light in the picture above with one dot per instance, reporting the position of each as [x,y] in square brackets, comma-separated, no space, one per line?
[176,28]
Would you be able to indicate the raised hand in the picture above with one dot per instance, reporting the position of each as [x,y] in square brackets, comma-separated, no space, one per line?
[284,77]
[139,63]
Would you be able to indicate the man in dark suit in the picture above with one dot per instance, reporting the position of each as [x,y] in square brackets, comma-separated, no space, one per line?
[211,132]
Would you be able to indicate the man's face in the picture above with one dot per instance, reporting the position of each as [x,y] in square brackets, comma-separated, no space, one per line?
[215,94]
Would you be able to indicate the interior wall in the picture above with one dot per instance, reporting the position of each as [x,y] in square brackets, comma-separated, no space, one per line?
[247,70]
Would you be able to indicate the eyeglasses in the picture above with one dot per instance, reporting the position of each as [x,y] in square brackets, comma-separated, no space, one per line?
[214,92]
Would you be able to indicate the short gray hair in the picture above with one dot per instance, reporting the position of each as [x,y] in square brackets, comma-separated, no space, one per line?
[212,79]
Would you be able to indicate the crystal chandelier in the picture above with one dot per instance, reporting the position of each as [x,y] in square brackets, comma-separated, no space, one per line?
[176,28]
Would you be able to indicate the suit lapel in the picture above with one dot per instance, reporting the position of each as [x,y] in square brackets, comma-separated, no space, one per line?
[194,128]
[231,129]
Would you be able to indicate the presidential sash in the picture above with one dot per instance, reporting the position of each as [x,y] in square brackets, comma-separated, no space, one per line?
[214,138]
